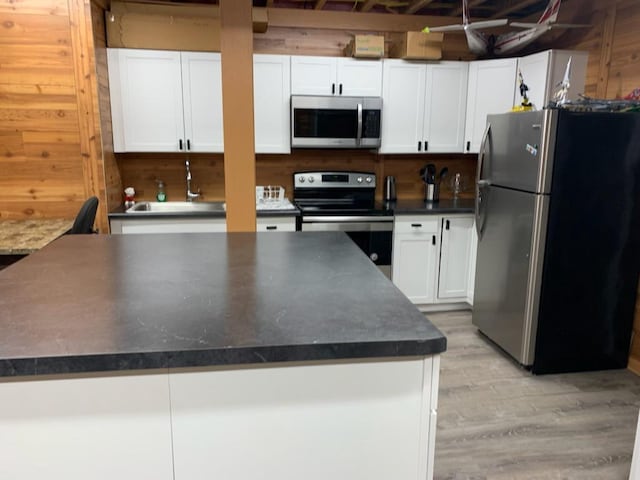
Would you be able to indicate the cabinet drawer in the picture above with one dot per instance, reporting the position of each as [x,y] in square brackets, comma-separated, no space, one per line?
[416,224]
[276,224]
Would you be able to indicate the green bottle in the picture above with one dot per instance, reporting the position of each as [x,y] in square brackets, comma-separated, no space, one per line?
[161,196]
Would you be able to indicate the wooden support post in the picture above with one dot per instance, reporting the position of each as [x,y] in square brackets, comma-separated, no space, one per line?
[236,45]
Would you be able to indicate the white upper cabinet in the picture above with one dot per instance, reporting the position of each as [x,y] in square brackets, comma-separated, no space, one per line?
[335,76]
[403,85]
[271,103]
[491,90]
[359,77]
[165,101]
[202,94]
[445,107]
[424,106]
[543,71]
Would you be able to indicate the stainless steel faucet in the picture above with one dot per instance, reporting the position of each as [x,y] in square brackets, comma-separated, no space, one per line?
[190,195]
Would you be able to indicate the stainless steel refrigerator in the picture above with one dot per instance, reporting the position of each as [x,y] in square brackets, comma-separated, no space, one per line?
[558,220]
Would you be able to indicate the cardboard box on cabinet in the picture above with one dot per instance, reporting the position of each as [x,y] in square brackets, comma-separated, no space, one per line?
[365,46]
[419,46]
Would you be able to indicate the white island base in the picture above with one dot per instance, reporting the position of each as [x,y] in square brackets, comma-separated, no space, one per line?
[371,419]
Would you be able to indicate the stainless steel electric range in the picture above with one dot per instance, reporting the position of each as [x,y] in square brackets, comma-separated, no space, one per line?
[345,201]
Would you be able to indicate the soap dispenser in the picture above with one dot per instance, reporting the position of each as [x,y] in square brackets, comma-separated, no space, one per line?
[161,196]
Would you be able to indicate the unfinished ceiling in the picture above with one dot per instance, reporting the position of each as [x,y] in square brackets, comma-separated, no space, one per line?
[479,9]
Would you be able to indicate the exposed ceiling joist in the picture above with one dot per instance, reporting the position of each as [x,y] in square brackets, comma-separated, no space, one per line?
[368,5]
[514,8]
[473,3]
[417,5]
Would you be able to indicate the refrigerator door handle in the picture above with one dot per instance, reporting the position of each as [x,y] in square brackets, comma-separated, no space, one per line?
[481,183]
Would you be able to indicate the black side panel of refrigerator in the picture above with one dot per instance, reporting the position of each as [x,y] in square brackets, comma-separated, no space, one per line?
[592,253]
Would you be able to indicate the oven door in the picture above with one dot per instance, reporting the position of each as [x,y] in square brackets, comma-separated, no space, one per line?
[374,235]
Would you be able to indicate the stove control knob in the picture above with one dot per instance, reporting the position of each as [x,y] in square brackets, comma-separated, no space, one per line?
[369,179]
[374,256]
[301,179]
[359,179]
[311,179]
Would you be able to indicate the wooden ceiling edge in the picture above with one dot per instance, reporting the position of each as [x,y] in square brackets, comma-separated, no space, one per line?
[339,20]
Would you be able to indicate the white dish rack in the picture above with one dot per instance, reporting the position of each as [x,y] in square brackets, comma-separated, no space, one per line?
[271,197]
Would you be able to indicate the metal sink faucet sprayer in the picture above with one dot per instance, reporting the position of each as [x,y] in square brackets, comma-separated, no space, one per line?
[190,195]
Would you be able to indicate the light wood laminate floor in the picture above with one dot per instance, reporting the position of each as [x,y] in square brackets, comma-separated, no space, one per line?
[497,421]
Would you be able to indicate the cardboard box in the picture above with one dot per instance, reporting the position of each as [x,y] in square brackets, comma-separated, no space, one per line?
[365,46]
[419,46]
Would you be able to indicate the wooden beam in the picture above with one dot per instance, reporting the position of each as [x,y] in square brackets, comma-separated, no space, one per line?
[368,5]
[236,47]
[319,4]
[473,3]
[90,154]
[513,8]
[608,31]
[334,20]
[416,5]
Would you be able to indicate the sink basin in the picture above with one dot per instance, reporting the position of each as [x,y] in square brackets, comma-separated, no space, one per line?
[176,207]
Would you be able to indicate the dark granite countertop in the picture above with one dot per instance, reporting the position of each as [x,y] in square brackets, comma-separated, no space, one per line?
[119,302]
[420,207]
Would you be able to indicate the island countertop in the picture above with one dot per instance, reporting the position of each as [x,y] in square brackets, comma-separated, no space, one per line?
[89,303]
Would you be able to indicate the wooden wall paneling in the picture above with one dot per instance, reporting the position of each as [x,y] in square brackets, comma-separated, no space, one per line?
[113,181]
[605,51]
[86,92]
[40,174]
[143,170]
[624,70]
[236,42]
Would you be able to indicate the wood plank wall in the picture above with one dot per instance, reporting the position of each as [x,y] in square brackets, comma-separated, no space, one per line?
[41,172]
[48,159]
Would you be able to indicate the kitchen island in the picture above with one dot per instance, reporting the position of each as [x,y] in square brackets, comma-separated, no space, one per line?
[275,355]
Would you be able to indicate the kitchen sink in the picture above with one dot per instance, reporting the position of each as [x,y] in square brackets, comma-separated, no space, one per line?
[176,207]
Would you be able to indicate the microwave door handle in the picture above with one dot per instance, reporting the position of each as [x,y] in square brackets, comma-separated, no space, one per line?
[359,133]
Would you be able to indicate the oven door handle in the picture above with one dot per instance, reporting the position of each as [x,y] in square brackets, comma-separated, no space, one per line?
[359,132]
[345,219]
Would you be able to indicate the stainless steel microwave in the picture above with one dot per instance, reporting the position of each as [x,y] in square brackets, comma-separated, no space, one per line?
[335,122]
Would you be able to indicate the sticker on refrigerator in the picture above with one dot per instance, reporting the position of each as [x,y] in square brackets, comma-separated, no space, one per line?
[532,149]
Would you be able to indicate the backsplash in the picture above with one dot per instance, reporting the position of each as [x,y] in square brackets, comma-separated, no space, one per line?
[143,170]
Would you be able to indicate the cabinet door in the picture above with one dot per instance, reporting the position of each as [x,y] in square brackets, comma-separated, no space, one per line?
[454,257]
[534,70]
[202,94]
[98,426]
[445,106]
[271,103]
[491,89]
[415,257]
[313,75]
[403,87]
[146,100]
[359,77]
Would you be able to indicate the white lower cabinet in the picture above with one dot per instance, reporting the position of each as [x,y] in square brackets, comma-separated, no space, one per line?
[356,420]
[103,427]
[276,224]
[455,252]
[416,244]
[434,258]
[168,225]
